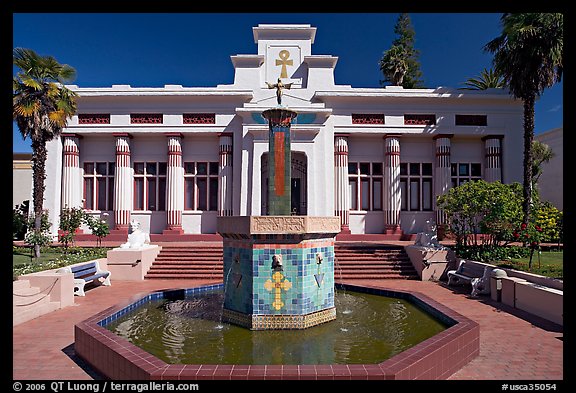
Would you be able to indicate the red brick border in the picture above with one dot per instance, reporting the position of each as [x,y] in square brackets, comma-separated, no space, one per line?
[436,358]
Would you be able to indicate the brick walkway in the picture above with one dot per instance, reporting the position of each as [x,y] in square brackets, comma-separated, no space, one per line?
[513,344]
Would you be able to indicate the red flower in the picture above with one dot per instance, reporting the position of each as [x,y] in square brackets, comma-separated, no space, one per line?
[538,228]
[534,244]
[523,226]
[516,235]
[527,235]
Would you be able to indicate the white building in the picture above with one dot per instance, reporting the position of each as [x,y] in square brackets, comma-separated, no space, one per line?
[176,157]
[551,182]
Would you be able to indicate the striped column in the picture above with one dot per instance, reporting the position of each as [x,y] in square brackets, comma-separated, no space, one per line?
[71,176]
[341,183]
[442,174]
[493,163]
[123,183]
[175,184]
[225,175]
[392,191]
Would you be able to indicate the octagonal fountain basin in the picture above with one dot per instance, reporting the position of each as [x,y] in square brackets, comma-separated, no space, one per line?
[377,334]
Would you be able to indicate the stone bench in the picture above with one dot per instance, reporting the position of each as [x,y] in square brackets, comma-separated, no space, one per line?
[478,276]
[84,273]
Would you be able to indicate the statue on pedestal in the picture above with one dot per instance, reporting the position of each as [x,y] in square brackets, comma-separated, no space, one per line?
[428,238]
[136,237]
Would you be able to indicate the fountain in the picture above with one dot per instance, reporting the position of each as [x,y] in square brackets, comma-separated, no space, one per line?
[278,276]
[282,265]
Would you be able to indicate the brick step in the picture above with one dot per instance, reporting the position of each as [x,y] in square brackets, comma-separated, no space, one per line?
[368,259]
[185,262]
[394,252]
[198,248]
[372,267]
[188,256]
[354,263]
[377,276]
[182,277]
[192,269]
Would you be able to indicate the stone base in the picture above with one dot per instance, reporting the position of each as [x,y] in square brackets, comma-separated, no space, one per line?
[131,264]
[278,321]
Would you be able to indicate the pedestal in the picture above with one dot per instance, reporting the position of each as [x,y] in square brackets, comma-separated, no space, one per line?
[278,270]
[131,264]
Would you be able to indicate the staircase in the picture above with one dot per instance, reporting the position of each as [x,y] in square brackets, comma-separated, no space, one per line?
[353,261]
[194,261]
[29,302]
[376,261]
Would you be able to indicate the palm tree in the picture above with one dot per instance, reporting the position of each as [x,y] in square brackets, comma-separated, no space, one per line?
[41,107]
[394,65]
[529,55]
[488,79]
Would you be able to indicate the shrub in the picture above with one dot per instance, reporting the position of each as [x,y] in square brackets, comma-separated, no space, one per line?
[549,218]
[489,254]
[19,221]
[493,209]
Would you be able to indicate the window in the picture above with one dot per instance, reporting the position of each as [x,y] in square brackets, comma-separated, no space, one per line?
[365,185]
[462,172]
[150,186]
[93,118]
[367,118]
[146,118]
[99,185]
[416,186]
[201,186]
[471,120]
[412,119]
[199,118]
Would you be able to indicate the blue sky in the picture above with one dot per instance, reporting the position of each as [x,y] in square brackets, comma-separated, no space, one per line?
[193,50]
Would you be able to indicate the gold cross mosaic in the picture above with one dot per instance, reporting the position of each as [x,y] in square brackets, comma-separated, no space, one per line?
[277,285]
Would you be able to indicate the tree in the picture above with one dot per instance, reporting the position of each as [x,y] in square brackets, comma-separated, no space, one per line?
[41,107]
[488,79]
[400,64]
[541,154]
[529,55]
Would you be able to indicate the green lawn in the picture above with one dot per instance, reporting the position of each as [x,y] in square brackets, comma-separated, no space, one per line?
[551,264]
[51,258]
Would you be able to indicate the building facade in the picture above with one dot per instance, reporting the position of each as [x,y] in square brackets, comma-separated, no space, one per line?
[174,158]
[21,178]
[551,182]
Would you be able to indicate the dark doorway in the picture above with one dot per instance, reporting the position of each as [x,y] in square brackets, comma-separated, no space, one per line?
[295,203]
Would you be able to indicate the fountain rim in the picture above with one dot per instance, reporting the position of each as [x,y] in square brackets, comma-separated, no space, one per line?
[438,357]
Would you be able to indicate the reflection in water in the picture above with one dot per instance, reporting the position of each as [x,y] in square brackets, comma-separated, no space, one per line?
[368,329]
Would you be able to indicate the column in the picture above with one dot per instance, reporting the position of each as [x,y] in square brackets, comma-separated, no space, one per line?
[392,191]
[175,184]
[442,174]
[71,176]
[493,163]
[123,183]
[341,183]
[225,175]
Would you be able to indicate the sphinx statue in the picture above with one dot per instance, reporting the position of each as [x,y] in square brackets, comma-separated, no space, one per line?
[137,238]
[428,238]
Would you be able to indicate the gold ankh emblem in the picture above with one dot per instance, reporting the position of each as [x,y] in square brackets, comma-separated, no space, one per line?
[284,55]
[278,285]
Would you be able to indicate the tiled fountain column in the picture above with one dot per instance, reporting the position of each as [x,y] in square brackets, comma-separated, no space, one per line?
[300,294]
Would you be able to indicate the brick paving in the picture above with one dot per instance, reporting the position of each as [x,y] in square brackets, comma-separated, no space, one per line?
[513,345]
